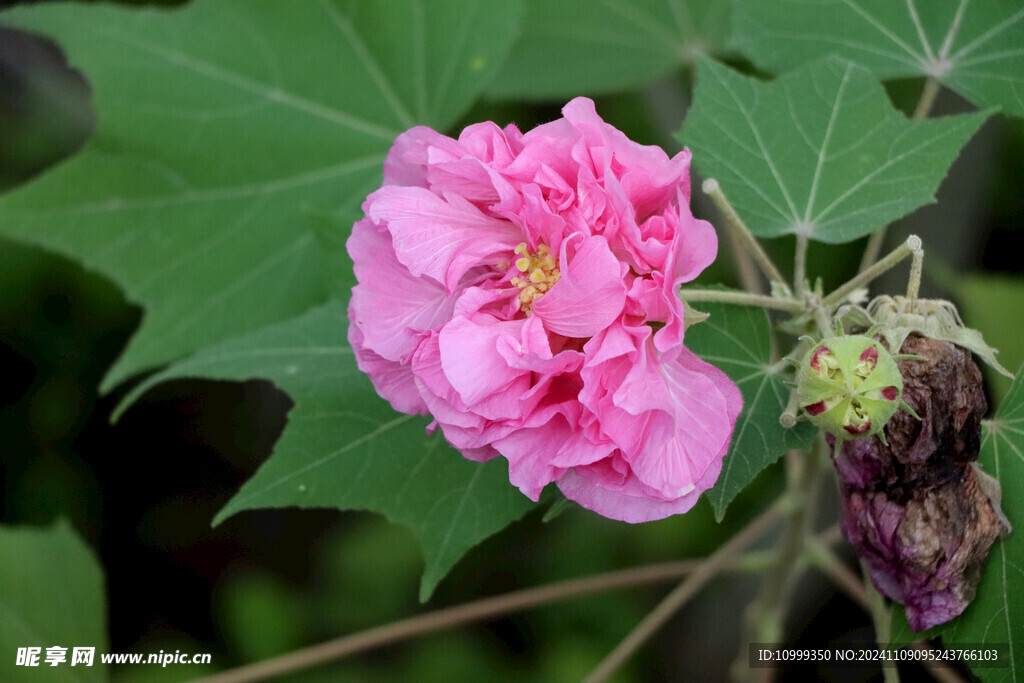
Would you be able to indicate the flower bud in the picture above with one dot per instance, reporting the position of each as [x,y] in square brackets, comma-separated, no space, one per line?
[849,386]
[915,508]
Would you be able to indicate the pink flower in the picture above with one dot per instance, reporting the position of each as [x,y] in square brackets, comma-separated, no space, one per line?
[521,289]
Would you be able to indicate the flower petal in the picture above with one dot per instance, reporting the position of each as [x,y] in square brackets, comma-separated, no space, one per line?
[441,238]
[389,304]
[589,295]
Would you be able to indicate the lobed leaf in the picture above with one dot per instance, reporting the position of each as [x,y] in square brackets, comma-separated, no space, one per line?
[344,447]
[226,130]
[569,47]
[51,595]
[737,339]
[819,152]
[974,48]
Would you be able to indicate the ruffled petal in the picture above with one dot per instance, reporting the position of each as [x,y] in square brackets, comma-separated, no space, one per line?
[441,238]
[590,294]
[471,360]
[689,418]
[394,381]
[627,502]
[390,305]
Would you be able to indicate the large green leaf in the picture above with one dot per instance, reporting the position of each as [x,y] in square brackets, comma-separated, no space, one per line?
[225,130]
[975,48]
[819,152]
[738,340]
[569,47]
[51,595]
[344,447]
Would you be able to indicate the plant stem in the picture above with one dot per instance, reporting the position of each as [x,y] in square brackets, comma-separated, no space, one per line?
[882,618]
[800,263]
[927,100]
[741,232]
[745,266]
[789,416]
[822,557]
[862,278]
[921,111]
[682,593]
[765,617]
[873,248]
[741,298]
[460,614]
[914,282]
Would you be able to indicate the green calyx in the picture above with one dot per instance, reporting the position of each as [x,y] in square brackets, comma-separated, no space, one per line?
[850,386]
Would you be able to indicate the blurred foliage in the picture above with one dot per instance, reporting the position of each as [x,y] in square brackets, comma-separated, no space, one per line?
[51,590]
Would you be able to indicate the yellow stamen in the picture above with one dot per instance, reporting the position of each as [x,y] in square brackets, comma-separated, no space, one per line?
[542,273]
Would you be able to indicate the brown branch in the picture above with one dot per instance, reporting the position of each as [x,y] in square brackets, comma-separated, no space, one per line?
[675,600]
[453,616]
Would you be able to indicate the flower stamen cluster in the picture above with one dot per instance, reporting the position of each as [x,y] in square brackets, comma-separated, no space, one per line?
[540,273]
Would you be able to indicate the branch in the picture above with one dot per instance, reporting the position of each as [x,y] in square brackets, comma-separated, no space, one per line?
[675,600]
[742,298]
[453,616]
[908,248]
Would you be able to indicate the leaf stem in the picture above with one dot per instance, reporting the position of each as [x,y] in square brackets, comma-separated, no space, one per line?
[873,248]
[912,244]
[682,594]
[927,100]
[745,266]
[789,417]
[914,282]
[800,263]
[741,232]
[465,613]
[741,298]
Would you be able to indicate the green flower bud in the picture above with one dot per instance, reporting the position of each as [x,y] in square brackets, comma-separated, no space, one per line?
[849,386]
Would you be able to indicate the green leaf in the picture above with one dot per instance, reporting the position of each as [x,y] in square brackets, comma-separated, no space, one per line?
[988,302]
[51,595]
[569,47]
[226,130]
[974,48]
[344,447]
[737,339]
[819,152]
